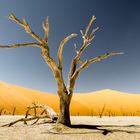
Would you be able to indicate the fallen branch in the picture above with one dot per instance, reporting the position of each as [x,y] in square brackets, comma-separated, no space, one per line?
[48,110]
[49,113]
[25,120]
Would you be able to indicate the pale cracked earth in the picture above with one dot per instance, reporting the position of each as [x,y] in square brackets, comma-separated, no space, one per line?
[83,128]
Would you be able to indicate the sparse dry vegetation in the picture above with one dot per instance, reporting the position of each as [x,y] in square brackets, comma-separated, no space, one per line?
[101,111]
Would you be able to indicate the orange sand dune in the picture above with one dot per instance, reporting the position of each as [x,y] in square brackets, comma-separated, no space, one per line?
[117,103]
[14,96]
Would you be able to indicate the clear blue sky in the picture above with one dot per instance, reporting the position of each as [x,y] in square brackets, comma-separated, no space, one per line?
[119,22]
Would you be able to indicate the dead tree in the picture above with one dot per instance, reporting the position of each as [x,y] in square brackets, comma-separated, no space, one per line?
[77,66]
[5,112]
[109,112]
[1,111]
[14,109]
[113,114]
[101,111]
[92,113]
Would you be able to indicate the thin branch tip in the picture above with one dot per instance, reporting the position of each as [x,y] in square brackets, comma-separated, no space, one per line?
[47,19]
[122,53]
[118,53]
[11,16]
[24,21]
[74,35]
[93,17]
[81,31]
[46,28]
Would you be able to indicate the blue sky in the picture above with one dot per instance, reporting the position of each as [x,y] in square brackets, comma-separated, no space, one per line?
[119,23]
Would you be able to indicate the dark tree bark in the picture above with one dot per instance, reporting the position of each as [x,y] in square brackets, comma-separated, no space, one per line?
[65,92]
[64,114]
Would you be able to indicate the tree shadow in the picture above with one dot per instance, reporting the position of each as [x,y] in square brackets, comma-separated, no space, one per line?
[85,126]
[103,129]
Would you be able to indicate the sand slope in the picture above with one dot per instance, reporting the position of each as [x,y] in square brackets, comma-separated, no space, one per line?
[14,96]
[117,103]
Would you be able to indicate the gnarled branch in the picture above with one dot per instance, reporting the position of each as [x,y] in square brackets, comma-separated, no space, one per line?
[42,44]
[21,45]
[50,112]
[86,42]
[89,62]
[27,28]
[46,28]
[61,47]
[98,58]
[25,120]
[89,25]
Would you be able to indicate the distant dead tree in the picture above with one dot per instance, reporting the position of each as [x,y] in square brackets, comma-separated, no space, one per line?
[77,65]
[132,114]
[123,112]
[101,111]
[113,114]
[109,112]
[78,114]
[92,113]
[1,111]
[14,110]
[137,112]
[4,112]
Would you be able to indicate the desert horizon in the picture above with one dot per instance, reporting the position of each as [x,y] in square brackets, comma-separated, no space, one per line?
[115,103]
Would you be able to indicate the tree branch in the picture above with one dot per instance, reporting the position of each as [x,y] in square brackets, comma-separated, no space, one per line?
[56,71]
[27,28]
[61,47]
[25,120]
[89,25]
[21,45]
[87,38]
[46,29]
[43,45]
[51,113]
[86,42]
[85,65]
[91,61]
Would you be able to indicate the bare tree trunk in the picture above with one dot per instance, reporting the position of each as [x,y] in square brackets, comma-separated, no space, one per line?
[64,114]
